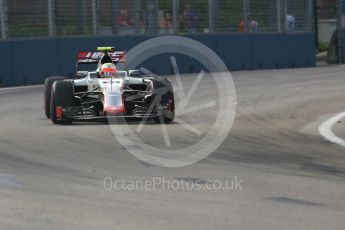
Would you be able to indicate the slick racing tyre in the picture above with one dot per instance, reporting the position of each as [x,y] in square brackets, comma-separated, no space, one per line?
[48,83]
[62,95]
[164,90]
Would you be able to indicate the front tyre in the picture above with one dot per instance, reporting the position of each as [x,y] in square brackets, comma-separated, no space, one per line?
[163,88]
[48,83]
[62,96]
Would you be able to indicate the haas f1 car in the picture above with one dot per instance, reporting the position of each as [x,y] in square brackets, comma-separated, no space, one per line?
[108,92]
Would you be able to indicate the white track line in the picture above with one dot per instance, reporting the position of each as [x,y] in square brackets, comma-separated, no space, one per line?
[19,87]
[325,129]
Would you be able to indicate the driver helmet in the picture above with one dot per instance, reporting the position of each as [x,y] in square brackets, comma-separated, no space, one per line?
[107,70]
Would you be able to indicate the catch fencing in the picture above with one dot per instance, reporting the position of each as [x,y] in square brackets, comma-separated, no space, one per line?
[43,18]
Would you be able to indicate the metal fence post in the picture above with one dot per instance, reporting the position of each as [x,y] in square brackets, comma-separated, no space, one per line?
[212,15]
[310,15]
[51,18]
[340,40]
[245,14]
[152,16]
[175,7]
[82,16]
[285,6]
[315,24]
[114,17]
[279,16]
[137,9]
[4,19]
[95,21]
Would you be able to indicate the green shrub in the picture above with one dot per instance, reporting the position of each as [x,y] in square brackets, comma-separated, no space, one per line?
[323,46]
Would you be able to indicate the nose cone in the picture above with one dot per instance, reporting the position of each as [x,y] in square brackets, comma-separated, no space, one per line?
[114,110]
[113,101]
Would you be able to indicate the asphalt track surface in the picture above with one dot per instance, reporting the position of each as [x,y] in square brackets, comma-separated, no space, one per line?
[51,177]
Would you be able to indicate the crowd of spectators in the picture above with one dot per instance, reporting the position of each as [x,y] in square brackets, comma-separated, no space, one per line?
[188,21]
[252,25]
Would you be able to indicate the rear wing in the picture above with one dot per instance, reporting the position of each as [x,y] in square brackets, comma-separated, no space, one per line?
[93,57]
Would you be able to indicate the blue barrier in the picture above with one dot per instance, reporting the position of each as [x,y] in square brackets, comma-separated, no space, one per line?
[25,62]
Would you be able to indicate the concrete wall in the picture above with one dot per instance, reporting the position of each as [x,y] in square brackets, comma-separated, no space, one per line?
[31,61]
[326,27]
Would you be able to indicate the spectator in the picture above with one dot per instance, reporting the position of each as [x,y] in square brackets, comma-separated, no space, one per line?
[161,22]
[165,22]
[241,26]
[290,23]
[122,19]
[168,22]
[189,19]
[253,25]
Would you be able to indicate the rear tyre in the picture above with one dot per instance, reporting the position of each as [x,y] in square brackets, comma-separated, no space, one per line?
[48,83]
[62,95]
[163,89]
